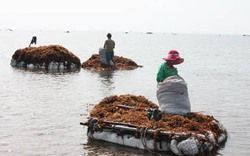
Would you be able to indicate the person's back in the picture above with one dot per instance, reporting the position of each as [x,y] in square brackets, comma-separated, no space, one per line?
[109,45]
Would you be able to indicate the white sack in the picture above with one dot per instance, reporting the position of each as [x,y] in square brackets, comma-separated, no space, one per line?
[172,95]
[103,57]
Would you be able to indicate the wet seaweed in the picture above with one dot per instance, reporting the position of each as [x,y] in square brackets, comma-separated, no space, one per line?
[121,63]
[135,113]
[43,55]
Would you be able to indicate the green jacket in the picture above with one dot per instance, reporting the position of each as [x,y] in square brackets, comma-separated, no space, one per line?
[164,72]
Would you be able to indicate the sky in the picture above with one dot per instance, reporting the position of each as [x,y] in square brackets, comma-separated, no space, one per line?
[173,16]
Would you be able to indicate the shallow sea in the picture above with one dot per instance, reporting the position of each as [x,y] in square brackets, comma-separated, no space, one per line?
[40,112]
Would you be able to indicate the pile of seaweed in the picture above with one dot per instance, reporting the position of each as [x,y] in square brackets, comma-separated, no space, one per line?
[132,110]
[121,63]
[43,55]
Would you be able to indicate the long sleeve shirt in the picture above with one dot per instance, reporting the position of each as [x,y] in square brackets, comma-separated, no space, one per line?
[164,72]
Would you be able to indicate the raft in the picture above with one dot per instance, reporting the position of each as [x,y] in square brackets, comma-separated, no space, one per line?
[51,57]
[125,120]
[121,63]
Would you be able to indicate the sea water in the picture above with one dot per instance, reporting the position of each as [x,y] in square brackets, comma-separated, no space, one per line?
[40,111]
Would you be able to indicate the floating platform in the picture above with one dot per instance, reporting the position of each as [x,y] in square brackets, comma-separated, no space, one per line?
[52,57]
[121,63]
[123,120]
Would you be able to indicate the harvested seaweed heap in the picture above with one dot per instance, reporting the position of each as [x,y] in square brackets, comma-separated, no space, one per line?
[121,63]
[52,57]
[126,116]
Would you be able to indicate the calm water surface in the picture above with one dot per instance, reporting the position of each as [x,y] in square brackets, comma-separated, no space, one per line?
[40,112]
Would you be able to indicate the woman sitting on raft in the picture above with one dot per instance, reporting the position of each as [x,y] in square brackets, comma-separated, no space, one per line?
[172,93]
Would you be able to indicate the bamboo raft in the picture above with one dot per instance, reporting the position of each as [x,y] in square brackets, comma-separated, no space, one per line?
[123,120]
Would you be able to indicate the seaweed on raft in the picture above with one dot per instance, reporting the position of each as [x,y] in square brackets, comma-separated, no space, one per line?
[43,55]
[132,110]
[121,63]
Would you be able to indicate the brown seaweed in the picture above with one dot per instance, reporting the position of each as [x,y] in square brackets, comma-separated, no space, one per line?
[46,54]
[131,110]
[121,63]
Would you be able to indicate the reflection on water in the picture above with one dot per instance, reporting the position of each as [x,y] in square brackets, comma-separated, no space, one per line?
[98,147]
[105,148]
[107,82]
[44,71]
[107,77]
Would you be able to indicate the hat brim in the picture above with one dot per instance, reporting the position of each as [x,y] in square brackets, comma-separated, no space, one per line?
[176,60]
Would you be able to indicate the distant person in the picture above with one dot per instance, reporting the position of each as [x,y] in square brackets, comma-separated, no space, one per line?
[109,46]
[167,68]
[33,40]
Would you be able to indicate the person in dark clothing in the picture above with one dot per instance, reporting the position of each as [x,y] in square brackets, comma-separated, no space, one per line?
[33,40]
[109,45]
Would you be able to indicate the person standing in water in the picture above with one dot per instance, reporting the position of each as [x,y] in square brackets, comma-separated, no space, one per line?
[109,46]
[167,68]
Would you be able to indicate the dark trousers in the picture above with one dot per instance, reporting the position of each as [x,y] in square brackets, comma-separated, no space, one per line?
[110,56]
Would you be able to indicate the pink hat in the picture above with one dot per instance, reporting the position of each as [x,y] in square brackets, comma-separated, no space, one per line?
[173,55]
